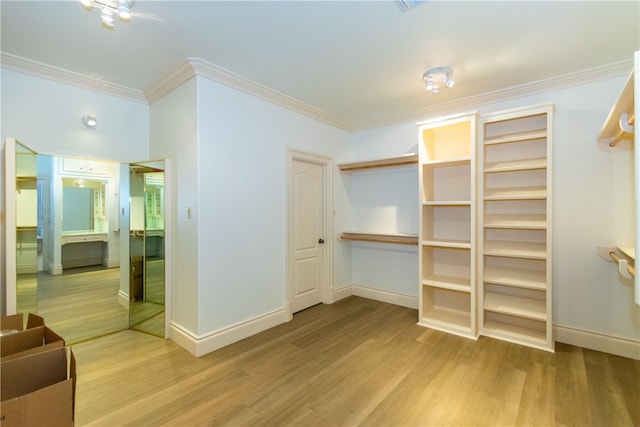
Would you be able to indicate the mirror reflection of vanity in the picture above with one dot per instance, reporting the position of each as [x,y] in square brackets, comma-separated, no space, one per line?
[72,248]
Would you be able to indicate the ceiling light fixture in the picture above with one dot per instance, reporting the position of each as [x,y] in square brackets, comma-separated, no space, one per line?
[109,9]
[437,77]
[89,121]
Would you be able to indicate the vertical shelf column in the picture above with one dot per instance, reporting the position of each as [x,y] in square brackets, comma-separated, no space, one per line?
[515,262]
[447,225]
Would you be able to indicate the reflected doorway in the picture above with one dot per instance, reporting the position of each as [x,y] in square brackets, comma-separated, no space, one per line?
[146,248]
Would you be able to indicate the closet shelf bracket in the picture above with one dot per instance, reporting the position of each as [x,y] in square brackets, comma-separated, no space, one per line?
[621,258]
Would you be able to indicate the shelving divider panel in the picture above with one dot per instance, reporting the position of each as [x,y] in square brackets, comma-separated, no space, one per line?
[531,221]
[453,283]
[522,278]
[515,306]
[515,165]
[460,244]
[508,248]
[516,137]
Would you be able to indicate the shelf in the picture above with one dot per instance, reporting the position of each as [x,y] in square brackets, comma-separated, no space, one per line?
[516,137]
[442,243]
[459,284]
[447,319]
[515,165]
[447,203]
[521,278]
[513,305]
[517,334]
[406,160]
[402,239]
[516,193]
[523,222]
[508,248]
[624,105]
[458,161]
[628,251]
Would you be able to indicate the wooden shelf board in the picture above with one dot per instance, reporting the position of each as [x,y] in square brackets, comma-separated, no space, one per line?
[516,277]
[461,244]
[448,282]
[515,165]
[628,251]
[508,248]
[512,305]
[531,222]
[447,319]
[447,203]
[624,104]
[402,239]
[458,161]
[516,193]
[514,333]
[516,137]
[406,160]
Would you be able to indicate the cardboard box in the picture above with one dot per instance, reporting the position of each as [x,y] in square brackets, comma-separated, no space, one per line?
[29,341]
[39,389]
[15,322]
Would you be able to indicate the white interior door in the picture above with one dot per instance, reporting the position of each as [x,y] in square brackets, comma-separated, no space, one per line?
[308,234]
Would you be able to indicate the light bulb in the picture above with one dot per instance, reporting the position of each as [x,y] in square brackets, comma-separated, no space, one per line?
[123,10]
[107,17]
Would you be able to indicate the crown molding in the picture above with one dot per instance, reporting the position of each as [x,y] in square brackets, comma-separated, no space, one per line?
[197,66]
[591,75]
[39,69]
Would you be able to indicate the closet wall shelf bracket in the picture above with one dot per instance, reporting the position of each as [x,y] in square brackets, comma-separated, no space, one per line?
[623,258]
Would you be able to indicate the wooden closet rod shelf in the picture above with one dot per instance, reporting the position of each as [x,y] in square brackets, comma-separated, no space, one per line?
[401,239]
[406,160]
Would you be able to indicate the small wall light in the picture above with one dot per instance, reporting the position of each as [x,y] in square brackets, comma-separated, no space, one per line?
[89,121]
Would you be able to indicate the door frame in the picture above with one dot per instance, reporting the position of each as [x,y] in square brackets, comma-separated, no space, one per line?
[326,290]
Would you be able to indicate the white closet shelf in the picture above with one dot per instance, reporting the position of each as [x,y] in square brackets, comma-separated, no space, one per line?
[456,161]
[406,160]
[403,239]
[516,277]
[622,108]
[515,333]
[515,165]
[448,319]
[447,243]
[516,137]
[525,222]
[452,283]
[516,193]
[447,203]
[512,305]
[513,249]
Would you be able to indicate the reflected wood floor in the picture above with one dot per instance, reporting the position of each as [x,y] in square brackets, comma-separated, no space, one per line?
[355,362]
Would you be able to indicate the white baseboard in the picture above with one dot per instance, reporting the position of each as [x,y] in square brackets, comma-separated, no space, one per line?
[341,293]
[385,296]
[596,341]
[123,299]
[111,262]
[55,269]
[199,345]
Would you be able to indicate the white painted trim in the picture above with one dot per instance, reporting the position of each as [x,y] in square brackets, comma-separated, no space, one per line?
[10,227]
[46,71]
[385,296]
[197,66]
[199,345]
[327,172]
[112,262]
[123,299]
[619,346]
[341,293]
[169,193]
[55,269]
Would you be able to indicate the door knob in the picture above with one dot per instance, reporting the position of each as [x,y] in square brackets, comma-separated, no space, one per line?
[321,241]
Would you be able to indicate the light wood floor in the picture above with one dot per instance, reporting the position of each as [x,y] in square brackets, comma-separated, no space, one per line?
[355,362]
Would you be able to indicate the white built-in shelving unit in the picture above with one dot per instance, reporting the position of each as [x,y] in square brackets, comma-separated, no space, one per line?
[447,297]
[514,220]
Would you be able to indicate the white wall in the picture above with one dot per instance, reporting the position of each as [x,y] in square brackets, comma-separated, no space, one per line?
[174,135]
[242,201]
[593,195]
[46,116]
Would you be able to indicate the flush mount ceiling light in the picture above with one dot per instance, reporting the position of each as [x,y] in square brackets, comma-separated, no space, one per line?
[437,77]
[89,121]
[109,9]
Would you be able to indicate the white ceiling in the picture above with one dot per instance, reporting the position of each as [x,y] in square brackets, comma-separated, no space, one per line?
[359,61]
